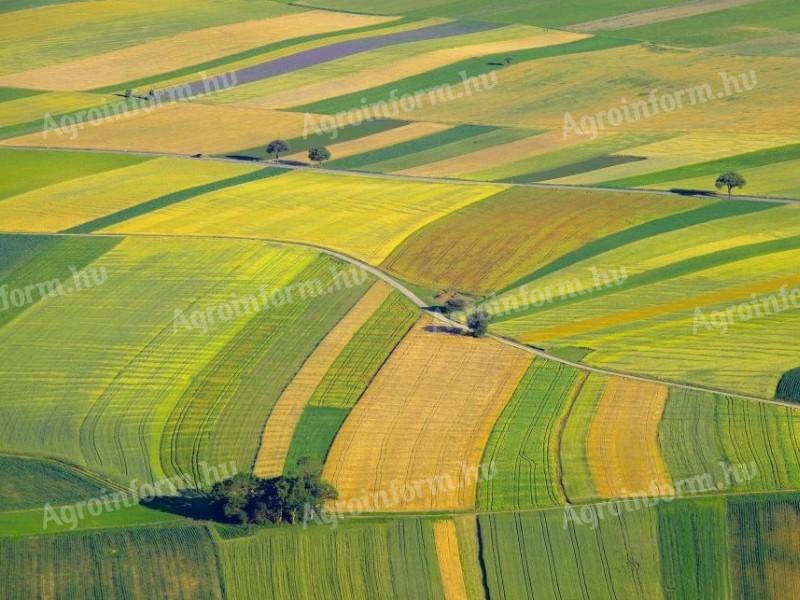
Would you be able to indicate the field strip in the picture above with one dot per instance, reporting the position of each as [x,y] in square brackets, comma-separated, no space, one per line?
[399,176]
[383,139]
[446,538]
[657,15]
[183,50]
[622,446]
[404,68]
[331,52]
[402,432]
[283,419]
[437,315]
[639,314]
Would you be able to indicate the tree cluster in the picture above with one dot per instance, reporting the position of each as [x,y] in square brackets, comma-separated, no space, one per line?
[246,498]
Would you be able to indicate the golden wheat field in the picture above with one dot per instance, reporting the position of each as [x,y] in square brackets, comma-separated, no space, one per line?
[401,440]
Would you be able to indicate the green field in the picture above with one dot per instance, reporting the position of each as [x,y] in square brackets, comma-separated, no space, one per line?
[177,307]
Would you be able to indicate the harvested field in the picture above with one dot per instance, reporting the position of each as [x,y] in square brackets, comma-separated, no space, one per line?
[286,413]
[430,377]
[181,128]
[623,450]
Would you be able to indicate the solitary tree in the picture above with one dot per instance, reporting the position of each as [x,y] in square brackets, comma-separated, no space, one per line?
[478,322]
[276,147]
[730,180]
[319,154]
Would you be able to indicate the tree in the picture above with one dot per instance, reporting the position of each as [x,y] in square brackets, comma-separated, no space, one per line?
[319,154]
[284,499]
[478,322]
[730,180]
[276,147]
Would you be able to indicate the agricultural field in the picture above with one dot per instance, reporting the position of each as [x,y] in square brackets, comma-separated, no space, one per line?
[432,299]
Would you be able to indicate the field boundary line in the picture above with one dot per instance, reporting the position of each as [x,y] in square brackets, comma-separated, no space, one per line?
[419,179]
[426,308]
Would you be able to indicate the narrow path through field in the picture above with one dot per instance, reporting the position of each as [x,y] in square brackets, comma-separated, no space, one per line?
[404,177]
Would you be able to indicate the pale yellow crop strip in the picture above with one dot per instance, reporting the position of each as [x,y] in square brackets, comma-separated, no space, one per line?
[70,203]
[423,423]
[283,419]
[181,128]
[183,50]
[629,316]
[623,450]
[446,540]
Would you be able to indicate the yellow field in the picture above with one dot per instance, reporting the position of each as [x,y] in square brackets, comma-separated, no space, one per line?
[62,32]
[70,203]
[35,108]
[709,145]
[446,539]
[623,451]
[410,442]
[361,216]
[360,72]
[496,156]
[180,128]
[379,140]
[264,86]
[537,94]
[283,419]
[182,50]
[682,244]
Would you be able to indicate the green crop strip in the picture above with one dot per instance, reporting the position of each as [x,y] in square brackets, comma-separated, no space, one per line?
[452,74]
[250,53]
[169,199]
[679,269]
[750,160]
[428,142]
[704,214]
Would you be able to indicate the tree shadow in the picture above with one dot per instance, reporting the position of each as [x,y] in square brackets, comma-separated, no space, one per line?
[189,504]
[689,192]
[447,329]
